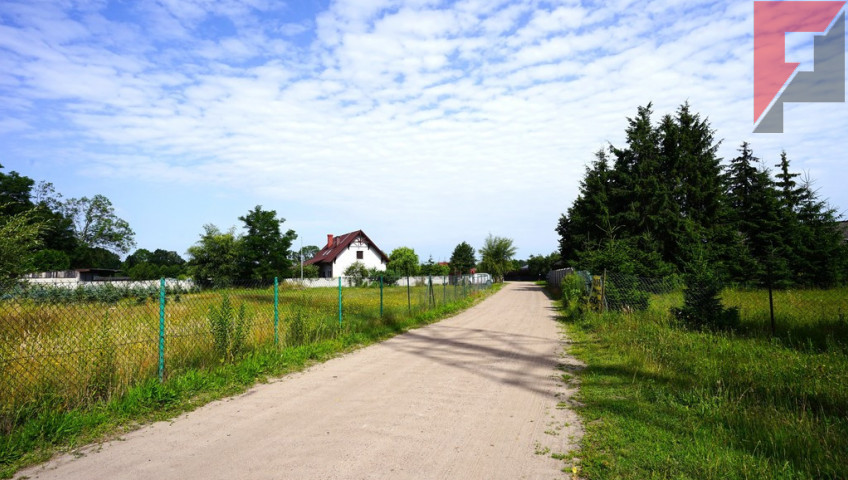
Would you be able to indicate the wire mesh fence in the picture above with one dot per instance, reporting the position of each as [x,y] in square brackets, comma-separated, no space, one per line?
[813,315]
[79,345]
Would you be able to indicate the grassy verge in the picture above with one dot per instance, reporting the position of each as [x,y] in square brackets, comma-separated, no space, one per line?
[49,426]
[660,401]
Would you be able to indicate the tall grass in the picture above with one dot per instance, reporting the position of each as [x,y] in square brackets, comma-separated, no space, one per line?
[73,369]
[661,401]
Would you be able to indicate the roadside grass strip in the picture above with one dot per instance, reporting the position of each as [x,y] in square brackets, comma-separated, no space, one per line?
[659,401]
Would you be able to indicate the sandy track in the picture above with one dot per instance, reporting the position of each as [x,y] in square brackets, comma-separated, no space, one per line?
[474,396]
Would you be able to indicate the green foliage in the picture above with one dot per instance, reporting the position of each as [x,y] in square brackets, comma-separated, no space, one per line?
[305,253]
[306,326]
[309,271]
[434,269]
[104,367]
[666,193]
[229,328]
[95,224]
[540,265]
[627,293]
[462,259]
[403,261]
[702,307]
[43,208]
[18,241]
[95,257]
[214,258]
[50,260]
[146,265]
[358,272]
[497,254]
[390,277]
[14,193]
[575,295]
[264,249]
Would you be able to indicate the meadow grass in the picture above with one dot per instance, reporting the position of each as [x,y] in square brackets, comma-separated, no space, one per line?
[661,401]
[74,372]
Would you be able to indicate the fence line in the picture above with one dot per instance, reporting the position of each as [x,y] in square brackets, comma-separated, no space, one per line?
[79,345]
[554,277]
[790,313]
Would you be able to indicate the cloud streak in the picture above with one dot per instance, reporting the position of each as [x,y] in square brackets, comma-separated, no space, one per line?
[417,114]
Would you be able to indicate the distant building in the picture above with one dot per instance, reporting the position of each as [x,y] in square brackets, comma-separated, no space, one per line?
[80,275]
[342,251]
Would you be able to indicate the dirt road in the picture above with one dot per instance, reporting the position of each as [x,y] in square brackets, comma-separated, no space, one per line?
[473,397]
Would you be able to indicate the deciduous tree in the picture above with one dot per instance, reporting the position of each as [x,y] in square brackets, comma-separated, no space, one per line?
[403,261]
[95,224]
[214,258]
[497,253]
[264,249]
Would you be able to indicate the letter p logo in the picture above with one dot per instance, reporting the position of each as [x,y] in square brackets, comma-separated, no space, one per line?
[826,83]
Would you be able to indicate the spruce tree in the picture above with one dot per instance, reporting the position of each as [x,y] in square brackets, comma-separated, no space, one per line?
[823,252]
[580,228]
[755,215]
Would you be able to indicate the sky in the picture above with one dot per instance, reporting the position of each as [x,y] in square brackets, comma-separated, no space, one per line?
[422,123]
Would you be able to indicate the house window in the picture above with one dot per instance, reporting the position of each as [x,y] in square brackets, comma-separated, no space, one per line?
[360,255]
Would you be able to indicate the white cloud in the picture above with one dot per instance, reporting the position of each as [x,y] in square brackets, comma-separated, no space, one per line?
[426,116]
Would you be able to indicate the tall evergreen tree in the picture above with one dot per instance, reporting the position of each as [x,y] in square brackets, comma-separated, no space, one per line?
[755,206]
[581,226]
[823,253]
[462,259]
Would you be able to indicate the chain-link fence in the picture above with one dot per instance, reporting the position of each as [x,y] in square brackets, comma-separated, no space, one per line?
[816,316]
[79,344]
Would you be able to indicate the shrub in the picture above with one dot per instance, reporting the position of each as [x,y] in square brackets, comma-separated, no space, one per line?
[358,272]
[702,308]
[574,295]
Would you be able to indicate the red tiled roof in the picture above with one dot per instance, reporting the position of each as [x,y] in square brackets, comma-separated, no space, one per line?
[340,244]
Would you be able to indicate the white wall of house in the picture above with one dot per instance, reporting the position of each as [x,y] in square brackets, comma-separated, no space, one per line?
[370,257]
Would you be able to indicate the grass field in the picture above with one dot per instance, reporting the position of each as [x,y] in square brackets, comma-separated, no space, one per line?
[660,401]
[72,371]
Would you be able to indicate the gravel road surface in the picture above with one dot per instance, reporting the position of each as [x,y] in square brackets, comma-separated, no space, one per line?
[475,396]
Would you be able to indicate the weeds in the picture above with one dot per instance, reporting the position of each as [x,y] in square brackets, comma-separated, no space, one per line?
[229,328]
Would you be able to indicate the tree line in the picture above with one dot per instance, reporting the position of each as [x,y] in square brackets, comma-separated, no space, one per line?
[41,231]
[665,201]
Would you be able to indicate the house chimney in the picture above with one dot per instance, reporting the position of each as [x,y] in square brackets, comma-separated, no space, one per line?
[329,239]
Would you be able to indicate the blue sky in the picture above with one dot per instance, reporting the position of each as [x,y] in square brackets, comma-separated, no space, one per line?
[424,123]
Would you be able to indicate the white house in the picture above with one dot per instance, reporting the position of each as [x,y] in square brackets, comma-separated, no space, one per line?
[343,250]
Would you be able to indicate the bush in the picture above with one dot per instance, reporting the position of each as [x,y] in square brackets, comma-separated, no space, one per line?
[574,295]
[702,308]
[358,272]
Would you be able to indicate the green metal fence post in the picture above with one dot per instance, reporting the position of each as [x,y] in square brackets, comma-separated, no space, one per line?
[381,296]
[444,289]
[408,299]
[340,301]
[276,312]
[161,329]
[431,298]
